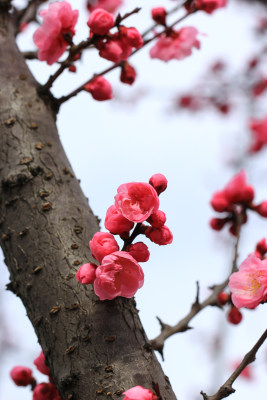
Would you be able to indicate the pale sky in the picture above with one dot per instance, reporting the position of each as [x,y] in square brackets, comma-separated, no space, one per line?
[110,143]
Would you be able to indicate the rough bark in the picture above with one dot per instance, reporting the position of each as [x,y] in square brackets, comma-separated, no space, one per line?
[94,349]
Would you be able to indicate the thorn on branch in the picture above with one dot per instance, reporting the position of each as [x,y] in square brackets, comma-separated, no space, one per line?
[120,18]
[162,324]
[197,294]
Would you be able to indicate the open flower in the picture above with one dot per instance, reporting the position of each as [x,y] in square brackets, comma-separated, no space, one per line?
[136,201]
[57,30]
[118,275]
[249,284]
[176,45]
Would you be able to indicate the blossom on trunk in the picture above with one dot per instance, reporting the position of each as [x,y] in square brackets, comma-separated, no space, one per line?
[118,275]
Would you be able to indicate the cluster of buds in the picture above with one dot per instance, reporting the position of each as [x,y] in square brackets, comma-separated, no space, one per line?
[22,376]
[235,199]
[119,272]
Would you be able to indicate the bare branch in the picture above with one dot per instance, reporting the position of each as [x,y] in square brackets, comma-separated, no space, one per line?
[227,388]
[63,99]
[30,55]
[211,300]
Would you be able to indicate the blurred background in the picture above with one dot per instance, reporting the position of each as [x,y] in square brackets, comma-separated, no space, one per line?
[188,120]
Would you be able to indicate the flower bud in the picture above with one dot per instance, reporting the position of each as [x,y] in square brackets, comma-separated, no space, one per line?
[262,209]
[161,236]
[22,376]
[39,362]
[132,36]
[111,51]
[116,223]
[100,21]
[139,251]
[86,273]
[157,219]
[219,202]
[159,182]
[159,15]
[102,244]
[128,74]
[99,88]
[72,68]
[262,247]
[234,316]
[223,298]
[45,391]
[217,223]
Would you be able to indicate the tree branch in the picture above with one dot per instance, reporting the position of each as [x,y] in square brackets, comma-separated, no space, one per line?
[227,388]
[63,99]
[211,300]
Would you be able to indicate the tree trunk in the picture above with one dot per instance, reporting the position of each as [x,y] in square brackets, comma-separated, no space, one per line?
[95,349]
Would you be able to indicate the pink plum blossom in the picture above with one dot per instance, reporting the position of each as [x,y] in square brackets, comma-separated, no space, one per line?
[139,393]
[102,244]
[249,284]
[177,45]
[40,364]
[116,223]
[136,201]
[118,275]
[57,29]
[86,274]
[139,251]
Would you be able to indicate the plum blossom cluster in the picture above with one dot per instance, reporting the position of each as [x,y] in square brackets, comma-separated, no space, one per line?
[119,272]
[55,35]
[178,44]
[22,376]
[114,41]
[234,200]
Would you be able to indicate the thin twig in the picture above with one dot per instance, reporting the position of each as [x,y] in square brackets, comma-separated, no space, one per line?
[63,99]
[227,388]
[75,49]
[211,300]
